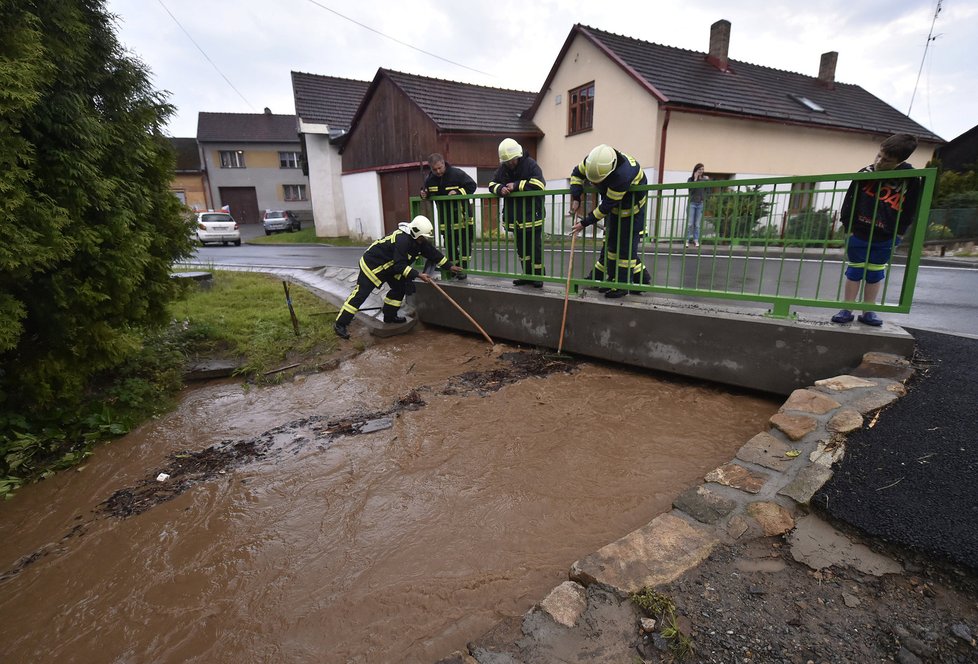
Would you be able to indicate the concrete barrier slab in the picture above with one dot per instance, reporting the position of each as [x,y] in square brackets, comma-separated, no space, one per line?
[742,348]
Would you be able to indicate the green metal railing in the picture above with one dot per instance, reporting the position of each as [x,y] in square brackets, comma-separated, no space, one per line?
[778,241]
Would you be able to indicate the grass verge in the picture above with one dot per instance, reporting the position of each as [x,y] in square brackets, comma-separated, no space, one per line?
[308,236]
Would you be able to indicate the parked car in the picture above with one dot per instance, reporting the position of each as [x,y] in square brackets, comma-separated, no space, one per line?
[217,227]
[280,220]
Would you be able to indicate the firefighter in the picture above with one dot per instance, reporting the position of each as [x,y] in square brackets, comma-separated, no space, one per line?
[456,222]
[613,173]
[390,260]
[521,216]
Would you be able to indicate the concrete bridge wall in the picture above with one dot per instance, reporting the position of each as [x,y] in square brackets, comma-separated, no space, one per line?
[736,348]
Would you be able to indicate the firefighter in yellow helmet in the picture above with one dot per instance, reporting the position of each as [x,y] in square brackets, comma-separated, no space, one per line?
[522,215]
[390,260]
[614,173]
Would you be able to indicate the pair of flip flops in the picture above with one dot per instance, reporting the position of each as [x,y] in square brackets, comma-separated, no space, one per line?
[867,318]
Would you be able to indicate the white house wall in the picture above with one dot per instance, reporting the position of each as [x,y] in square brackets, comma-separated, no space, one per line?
[325,182]
[364,213]
[768,149]
[625,114]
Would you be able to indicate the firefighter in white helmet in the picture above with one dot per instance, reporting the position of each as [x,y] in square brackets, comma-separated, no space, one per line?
[614,173]
[391,260]
[522,215]
[456,218]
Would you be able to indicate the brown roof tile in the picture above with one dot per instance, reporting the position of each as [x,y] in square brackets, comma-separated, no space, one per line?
[455,106]
[683,78]
[327,99]
[246,128]
[188,156]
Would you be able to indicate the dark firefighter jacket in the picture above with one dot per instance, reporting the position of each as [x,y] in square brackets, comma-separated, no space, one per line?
[392,257]
[616,199]
[882,207]
[521,211]
[452,214]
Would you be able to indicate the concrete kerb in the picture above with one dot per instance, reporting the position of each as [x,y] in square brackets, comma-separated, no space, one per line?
[761,492]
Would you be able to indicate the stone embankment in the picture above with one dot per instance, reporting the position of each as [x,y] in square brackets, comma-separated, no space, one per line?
[762,492]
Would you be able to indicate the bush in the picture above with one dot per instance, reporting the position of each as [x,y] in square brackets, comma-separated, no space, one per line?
[938,232]
[810,225]
[735,212]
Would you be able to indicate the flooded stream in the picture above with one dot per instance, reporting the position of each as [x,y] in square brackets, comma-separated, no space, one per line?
[388,510]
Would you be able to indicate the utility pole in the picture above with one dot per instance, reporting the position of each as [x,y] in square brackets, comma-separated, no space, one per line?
[930,37]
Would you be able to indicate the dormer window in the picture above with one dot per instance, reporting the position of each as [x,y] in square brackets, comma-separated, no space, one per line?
[807,103]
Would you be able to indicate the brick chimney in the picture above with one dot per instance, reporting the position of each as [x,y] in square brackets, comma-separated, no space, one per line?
[826,69]
[719,44]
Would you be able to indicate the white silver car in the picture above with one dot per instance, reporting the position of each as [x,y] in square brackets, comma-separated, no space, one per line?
[280,220]
[217,227]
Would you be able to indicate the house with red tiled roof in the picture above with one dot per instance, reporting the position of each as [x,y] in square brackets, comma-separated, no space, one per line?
[401,119]
[325,106]
[672,108]
[253,162]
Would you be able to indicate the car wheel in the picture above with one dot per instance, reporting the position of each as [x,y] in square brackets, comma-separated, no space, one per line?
[268,232]
[298,226]
[237,243]
[291,229]
[225,243]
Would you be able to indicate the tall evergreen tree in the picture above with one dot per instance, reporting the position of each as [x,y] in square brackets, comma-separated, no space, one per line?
[89,227]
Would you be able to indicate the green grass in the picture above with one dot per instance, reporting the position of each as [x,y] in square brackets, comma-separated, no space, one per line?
[308,236]
[246,315]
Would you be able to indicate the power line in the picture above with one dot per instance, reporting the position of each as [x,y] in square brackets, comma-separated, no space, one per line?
[394,39]
[930,37]
[206,57]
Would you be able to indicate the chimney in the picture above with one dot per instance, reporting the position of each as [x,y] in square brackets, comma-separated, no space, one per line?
[826,69]
[268,111]
[719,44]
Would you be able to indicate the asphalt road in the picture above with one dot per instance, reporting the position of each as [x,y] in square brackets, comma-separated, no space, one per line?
[910,479]
[944,301]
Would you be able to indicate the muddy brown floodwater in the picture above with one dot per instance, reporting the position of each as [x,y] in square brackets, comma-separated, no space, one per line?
[388,510]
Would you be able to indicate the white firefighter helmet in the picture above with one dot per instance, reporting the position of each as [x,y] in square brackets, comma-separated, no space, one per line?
[509,149]
[600,162]
[420,226]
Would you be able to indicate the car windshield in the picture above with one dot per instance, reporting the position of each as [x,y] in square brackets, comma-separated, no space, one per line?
[216,217]
[274,213]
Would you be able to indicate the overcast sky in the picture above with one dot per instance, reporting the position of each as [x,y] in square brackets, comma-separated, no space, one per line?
[255,44]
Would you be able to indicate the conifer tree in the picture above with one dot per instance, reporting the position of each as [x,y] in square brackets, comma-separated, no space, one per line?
[89,227]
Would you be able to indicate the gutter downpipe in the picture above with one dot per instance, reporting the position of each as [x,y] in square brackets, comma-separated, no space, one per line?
[662,165]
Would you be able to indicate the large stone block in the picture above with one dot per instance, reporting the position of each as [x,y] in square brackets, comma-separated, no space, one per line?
[765,450]
[657,553]
[807,401]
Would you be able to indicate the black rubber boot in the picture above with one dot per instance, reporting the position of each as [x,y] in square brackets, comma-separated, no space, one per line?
[395,319]
[341,330]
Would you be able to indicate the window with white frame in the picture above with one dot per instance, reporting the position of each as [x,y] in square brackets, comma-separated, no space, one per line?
[294,192]
[232,159]
[289,159]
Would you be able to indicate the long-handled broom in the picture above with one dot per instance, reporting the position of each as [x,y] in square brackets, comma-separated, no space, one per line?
[559,355]
[464,312]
